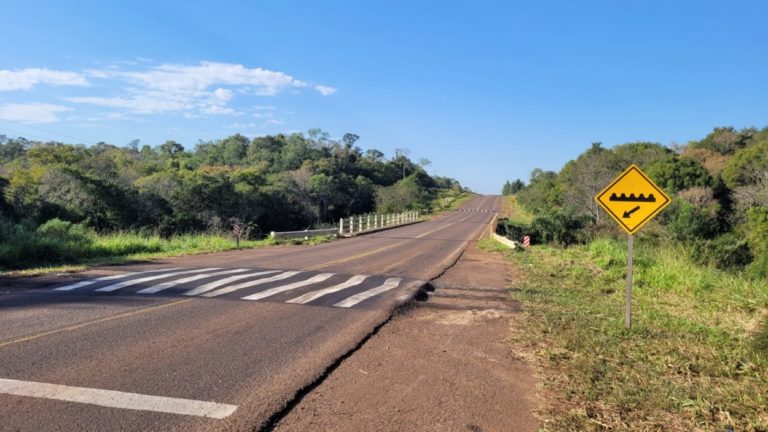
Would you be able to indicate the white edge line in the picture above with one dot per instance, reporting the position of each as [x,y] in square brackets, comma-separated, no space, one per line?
[117,399]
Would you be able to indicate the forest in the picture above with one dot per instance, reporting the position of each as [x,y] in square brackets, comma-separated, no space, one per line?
[719,186]
[278,182]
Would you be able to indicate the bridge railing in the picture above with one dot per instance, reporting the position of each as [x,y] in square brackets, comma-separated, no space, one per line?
[303,234]
[370,222]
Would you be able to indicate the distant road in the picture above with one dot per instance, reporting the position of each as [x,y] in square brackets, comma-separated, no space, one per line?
[212,342]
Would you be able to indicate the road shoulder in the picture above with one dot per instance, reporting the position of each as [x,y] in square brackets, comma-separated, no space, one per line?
[443,364]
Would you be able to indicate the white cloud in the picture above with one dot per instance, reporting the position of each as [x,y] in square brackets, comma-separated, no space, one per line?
[207,88]
[185,78]
[135,87]
[32,112]
[140,104]
[25,79]
[325,90]
[223,95]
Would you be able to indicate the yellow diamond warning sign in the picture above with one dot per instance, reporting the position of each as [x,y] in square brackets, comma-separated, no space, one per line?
[632,199]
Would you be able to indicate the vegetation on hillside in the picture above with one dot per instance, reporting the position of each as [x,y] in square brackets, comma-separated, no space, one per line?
[280,182]
[719,187]
[697,355]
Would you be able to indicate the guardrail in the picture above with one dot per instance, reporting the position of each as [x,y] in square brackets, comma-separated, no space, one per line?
[370,222]
[354,225]
[304,234]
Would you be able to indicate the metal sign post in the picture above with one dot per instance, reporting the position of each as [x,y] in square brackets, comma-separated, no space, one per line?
[628,295]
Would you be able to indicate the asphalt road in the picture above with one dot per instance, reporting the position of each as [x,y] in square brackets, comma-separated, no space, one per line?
[213,342]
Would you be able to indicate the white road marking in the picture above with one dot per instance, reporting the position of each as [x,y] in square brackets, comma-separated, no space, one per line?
[215,284]
[117,286]
[117,399]
[313,295]
[109,278]
[390,283]
[159,287]
[229,289]
[276,290]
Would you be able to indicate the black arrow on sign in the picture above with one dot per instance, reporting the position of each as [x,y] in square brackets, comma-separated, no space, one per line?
[627,214]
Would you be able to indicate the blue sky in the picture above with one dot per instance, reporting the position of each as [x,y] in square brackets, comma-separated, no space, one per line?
[486,90]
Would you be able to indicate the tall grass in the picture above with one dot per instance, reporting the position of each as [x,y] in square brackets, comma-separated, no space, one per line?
[59,242]
[695,359]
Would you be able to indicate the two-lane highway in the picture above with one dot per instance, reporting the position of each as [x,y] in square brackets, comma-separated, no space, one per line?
[212,342]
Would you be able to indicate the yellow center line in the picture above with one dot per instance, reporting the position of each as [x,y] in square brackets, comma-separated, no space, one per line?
[90,323]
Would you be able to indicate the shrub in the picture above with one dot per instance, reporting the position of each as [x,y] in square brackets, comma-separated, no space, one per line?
[725,252]
[757,237]
[63,231]
[687,222]
[512,230]
[561,227]
[674,173]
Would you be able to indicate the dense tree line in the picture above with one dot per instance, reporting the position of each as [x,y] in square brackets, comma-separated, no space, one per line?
[277,182]
[511,188]
[719,186]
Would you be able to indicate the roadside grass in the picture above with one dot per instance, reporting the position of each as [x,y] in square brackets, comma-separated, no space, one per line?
[38,255]
[511,210]
[696,358]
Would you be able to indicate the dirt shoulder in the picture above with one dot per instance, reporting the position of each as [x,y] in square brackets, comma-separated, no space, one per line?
[441,365]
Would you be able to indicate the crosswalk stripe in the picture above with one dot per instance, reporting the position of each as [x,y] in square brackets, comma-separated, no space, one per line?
[215,284]
[220,283]
[229,289]
[159,287]
[109,278]
[314,295]
[389,284]
[276,290]
[117,286]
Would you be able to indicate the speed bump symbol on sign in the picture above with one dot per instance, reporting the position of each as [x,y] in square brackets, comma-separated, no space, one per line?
[632,199]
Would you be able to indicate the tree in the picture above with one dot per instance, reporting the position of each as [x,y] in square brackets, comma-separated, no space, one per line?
[511,188]
[234,149]
[585,177]
[401,157]
[349,140]
[543,194]
[747,166]
[675,173]
[507,188]
[726,140]
[171,149]
[11,148]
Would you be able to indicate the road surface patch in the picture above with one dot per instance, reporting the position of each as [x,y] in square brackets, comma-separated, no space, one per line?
[116,399]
